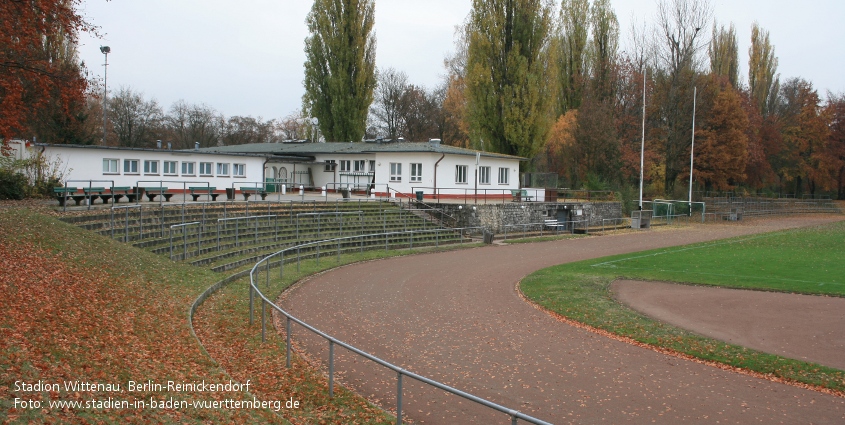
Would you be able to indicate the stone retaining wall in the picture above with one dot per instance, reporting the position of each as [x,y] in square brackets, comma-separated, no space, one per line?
[496,217]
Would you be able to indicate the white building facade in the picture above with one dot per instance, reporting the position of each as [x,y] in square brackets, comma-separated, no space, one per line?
[98,166]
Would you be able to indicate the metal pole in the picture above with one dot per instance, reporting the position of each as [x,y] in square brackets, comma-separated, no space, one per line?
[399,398]
[331,369]
[287,341]
[263,321]
[692,148]
[642,144]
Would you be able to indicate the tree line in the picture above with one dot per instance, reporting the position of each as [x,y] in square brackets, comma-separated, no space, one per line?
[539,79]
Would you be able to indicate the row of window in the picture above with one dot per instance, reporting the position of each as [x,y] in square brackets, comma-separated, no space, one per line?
[171,168]
[357,166]
[460,173]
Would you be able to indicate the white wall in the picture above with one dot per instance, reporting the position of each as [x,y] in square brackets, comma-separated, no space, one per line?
[446,174]
[87,164]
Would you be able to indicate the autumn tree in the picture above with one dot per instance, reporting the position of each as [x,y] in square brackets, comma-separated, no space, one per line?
[38,87]
[340,67]
[721,150]
[391,86]
[805,133]
[679,40]
[604,49]
[509,74]
[763,79]
[188,124]
[571,42]
[136,122]
[420,111]
[240,130]
[835,152]
[724,54]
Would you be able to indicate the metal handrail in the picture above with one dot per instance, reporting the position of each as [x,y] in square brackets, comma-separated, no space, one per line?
[514,414]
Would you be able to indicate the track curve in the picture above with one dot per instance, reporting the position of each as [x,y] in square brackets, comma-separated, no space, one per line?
[456,317]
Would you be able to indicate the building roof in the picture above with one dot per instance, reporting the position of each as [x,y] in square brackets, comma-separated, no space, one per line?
[178,151]
[351,148]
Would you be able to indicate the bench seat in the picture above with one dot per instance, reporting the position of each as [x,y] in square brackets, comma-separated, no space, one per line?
[197,191]
[246,191]
[63,194]
[152,192]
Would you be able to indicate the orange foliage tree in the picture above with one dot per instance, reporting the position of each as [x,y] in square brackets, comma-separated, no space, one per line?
[835,151]
[32,80]
[721,153]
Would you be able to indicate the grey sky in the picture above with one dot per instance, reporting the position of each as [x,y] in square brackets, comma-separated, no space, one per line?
[245,58]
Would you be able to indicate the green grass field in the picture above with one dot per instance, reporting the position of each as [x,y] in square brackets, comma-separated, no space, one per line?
[809,261]
[806,261]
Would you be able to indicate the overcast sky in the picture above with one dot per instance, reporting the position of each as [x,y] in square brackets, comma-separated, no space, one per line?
[245,58]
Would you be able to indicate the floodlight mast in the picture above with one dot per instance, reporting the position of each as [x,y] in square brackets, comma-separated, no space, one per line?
[692,148]
[105,50]
[642,146]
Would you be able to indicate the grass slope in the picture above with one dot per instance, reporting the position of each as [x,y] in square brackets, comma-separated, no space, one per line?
[79,307]
[801,260]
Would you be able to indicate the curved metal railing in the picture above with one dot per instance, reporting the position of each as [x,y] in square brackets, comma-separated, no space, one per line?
[400,373]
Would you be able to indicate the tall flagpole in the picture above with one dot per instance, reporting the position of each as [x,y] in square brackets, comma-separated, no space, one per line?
[642,146]
[692,148]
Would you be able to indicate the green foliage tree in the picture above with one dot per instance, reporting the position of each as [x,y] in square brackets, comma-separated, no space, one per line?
[340,67]
[571,43]
[763,80]
[724,54]
[605,44]
[509,74]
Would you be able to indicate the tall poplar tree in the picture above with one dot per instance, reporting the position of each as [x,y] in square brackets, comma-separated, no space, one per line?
[762,68]
[509,77]
[340,67]
[605,44]
[724,54]
[571,42]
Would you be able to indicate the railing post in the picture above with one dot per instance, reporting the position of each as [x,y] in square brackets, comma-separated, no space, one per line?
[399,398]
[287,341]
[251,301]
[331,369]
[263,321]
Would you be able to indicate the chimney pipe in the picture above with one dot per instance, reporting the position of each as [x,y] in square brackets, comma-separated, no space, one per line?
[196,146]
[158,144]
[169,146]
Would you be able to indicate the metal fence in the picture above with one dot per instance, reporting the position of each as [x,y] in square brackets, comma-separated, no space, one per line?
[542,229]
[294,254]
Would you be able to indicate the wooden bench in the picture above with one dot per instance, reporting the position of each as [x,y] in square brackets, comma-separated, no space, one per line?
[197,191]
[520,194]
[97,192]
[246,191]
[152,192]
[118,192]
[64,193]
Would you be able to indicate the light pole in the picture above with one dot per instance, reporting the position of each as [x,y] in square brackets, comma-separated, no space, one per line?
[105,50]
[642,145]
[692,148]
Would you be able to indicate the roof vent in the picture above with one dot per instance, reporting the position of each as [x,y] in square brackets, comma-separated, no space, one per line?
[434,141]
[158,144]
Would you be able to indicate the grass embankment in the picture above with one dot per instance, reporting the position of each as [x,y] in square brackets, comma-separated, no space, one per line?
[81,308]
[807,261]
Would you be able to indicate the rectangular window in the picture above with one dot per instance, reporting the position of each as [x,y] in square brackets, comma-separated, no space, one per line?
[372,166]
[188,168]
[222,169]
[360,166]
[330,165]
[205,168]
[110,166]
[483,175]
[461,174]
[239,170]
[151,167]
[130,166]
[344,165]
[395,172]
[503,175]
[416,173]
[169,167]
